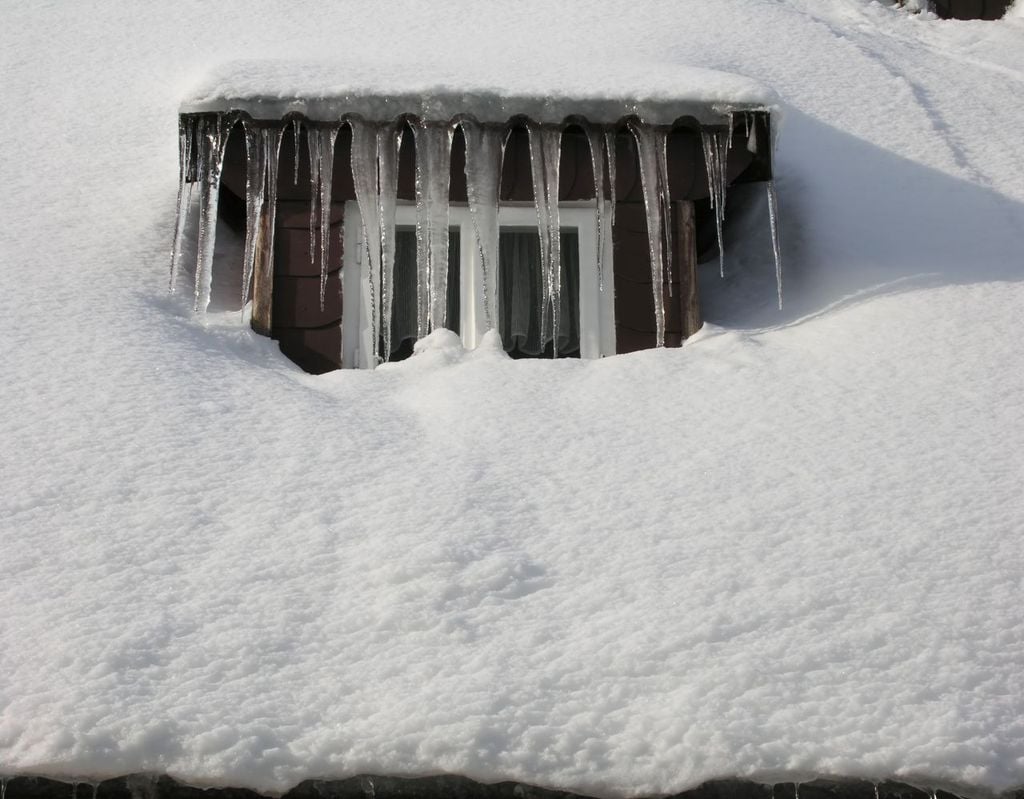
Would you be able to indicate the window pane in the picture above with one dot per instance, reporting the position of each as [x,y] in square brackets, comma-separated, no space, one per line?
[521,293]
[403,307]
[454,281]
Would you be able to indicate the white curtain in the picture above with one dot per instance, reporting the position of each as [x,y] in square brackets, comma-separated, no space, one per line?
[403,307]
[519,293]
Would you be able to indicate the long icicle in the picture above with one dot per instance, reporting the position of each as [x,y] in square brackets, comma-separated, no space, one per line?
[364,178]
[313,141]
[664,197]
[610,140]
[773,219]
[540,204]
[255,196]
[272,147]
[552,144]
[485,148]
[648,143]
[545,155]
[186,137]
[211,154]
[389,145]
[325,149]
[422,237]
[296,134]
[597,159]
[433,173]
[716,151]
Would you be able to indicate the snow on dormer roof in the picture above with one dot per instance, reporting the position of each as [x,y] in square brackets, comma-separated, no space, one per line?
[658,94]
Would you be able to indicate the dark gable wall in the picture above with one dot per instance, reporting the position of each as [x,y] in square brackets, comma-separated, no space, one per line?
[971,9]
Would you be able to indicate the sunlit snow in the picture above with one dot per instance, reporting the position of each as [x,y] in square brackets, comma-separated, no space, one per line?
[790,548]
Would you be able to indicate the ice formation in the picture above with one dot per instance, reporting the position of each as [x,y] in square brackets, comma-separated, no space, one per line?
[212,137]
[297,140]
[326,154]
[545,157]
[716,152]
[773,218]
[313,143]
[255,197]
[610,140]
[186,136]
[433,171]
[374,165]
[389,143]
[651,150]
[485,149]
[598,156]
[364,177]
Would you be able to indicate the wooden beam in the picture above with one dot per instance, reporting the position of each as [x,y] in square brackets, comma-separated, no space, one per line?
[263,274]
[686,260]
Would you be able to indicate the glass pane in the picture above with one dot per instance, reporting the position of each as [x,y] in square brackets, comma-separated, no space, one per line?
[521,292]
[403,308]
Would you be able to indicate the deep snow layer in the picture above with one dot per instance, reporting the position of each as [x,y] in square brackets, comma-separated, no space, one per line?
[791,548]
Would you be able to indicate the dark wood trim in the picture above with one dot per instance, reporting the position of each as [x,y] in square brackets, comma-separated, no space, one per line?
[686,264]
[263,275]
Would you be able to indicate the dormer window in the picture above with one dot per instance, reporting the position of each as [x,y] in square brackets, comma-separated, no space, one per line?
[571,227]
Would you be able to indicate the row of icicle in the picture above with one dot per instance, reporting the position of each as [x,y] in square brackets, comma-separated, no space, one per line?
[374,164]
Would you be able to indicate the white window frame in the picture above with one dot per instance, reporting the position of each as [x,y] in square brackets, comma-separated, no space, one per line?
[597,307]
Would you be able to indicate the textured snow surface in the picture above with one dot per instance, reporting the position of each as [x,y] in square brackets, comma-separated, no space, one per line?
[792,548]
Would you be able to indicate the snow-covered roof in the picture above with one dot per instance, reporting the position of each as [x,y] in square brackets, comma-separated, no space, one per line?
[329,90]
[791,548]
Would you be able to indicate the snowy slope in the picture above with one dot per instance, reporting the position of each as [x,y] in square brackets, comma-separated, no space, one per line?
[792,548]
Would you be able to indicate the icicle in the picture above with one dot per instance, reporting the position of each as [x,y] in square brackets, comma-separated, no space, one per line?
[773,219]
[315,152]
[716,144]
[661,142]
[325,151]
[186,136]
[433,173]
[597,158]
[296,132]
[610,139]
[364,177]
[389,144]
[272,138]
[255,196]
[540,203]
[485,150]
[212,138]
[545,158]
[650,151]
[422,237]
